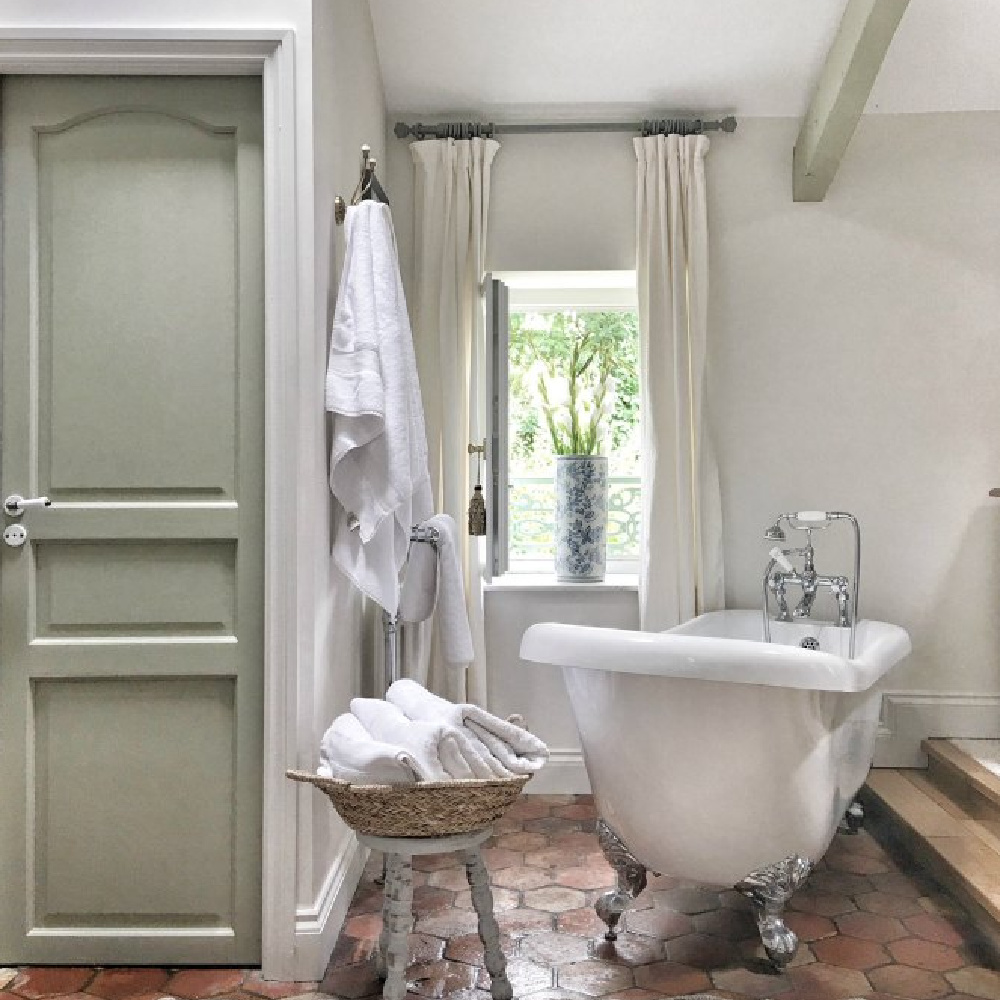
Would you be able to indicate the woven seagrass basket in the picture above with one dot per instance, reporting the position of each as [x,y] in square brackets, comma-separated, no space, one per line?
[426,809]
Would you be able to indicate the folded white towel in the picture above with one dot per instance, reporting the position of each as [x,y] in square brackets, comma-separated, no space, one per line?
[378,458]
[519,751]
[452,614]
[418,593]
[441,750]
[348,751]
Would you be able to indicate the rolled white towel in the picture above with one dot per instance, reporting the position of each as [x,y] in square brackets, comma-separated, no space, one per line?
[348,751]
[519,751]
[441,750]
[418,593]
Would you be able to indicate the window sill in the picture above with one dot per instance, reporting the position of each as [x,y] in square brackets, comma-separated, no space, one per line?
[612,583]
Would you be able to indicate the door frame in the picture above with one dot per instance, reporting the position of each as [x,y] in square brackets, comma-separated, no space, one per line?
[288,318]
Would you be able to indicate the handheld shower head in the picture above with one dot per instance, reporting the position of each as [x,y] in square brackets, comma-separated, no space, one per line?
[775,532]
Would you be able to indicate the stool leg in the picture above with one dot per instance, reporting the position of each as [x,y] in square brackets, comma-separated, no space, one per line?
[489,932]
[388,880]
[400,907]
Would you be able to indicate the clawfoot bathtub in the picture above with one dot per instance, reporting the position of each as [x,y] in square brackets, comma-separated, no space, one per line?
[717,757]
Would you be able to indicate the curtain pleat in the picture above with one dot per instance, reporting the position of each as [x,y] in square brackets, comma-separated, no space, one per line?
[681,567]
[452,193]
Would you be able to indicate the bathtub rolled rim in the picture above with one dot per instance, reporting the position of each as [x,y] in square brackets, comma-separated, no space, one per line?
[728,659]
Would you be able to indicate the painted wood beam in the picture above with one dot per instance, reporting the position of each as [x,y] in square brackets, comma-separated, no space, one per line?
[848,75]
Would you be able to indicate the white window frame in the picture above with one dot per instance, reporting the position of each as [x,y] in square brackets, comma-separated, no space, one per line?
[537,291]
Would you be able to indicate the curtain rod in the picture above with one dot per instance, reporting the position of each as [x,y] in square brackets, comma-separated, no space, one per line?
[486,130]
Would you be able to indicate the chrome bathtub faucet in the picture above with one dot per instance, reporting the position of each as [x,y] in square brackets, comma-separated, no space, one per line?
[780,572]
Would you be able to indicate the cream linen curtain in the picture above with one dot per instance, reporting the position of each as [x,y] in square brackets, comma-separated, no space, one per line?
[681,573]
[452,194]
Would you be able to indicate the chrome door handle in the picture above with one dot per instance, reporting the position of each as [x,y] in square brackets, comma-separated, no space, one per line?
[15,505]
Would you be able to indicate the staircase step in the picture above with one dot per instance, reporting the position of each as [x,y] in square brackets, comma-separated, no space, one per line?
[963,779]
[958,847]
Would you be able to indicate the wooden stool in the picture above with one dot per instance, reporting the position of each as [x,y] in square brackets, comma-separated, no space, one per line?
[397,906]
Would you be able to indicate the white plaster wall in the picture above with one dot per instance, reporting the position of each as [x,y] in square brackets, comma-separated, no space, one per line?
[349,110]
[854,364]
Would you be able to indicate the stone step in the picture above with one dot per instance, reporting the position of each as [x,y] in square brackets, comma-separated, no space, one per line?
[956,845]
[963,778]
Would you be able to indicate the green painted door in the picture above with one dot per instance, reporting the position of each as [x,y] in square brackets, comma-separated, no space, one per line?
[131,635]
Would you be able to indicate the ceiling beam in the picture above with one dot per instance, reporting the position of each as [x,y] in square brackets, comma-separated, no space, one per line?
[845,82]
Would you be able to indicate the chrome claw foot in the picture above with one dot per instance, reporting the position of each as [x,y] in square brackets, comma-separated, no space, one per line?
[768,891]
[854,818]
[629,873]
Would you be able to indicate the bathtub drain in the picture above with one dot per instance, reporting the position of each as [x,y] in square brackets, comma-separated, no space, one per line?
[810,642]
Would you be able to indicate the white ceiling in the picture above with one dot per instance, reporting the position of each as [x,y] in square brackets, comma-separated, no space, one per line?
[747,57]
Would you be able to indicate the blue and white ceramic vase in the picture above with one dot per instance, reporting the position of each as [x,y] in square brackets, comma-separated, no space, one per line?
[581,517]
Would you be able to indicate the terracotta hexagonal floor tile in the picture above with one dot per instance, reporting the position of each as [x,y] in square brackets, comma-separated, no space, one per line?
[552,825]
[850,953]
[254,985]
[529,807]
[527,977]
[196,984]
[659,923]
[503,899]
[432,862]
[899,884]
[689,899]
[670,979]
[909,983]
[810,926]
[365,925]
[629,949]
[928,955]
[521,877]
[583,921]
[468,948]
[819,981]
[595,979]
[350,951]
[552,948]
[555,899]
[888,906]
[448,923]
[523,921]
[44,981]
[870,926]
[114,984]
[520,842]
[440,979]
[750,983]
[553,858]
[430,899]
[499,857]
[858,864]
[596,877]
[935,927]
[829,883]
[976,981]
[702,951]
[734,925]
[578,810]
[825,904]
[449,878]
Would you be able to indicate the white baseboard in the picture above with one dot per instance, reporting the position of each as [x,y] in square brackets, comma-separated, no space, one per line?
[564,774]
[911,716]
[318,925]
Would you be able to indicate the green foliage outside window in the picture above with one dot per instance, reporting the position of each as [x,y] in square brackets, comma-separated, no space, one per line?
[574,386]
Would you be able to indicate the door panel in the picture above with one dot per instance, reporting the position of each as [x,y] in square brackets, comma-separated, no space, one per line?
[131,637]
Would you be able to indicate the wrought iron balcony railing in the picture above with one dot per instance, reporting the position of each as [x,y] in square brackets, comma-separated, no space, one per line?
[531,517]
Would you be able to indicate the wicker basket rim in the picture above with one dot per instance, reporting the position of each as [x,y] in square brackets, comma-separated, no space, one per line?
[316,779]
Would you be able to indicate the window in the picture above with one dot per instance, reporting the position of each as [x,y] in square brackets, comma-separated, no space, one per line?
[544,323]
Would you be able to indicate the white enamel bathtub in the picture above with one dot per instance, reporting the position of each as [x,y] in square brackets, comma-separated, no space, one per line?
[713,754]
